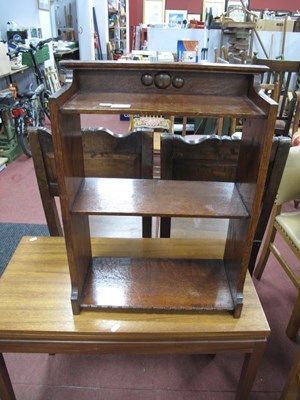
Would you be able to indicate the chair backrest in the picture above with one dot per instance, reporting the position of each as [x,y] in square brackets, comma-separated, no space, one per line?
[296,120]
[110,53]
[289,188]
[284,75]
[105,155]
[215,158]
[159,123]
[208,158]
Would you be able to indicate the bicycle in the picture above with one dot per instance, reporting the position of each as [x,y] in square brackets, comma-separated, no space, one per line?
[14,123]
[28,108]
[38,97]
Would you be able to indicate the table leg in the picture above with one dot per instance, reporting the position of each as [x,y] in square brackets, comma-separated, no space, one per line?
[6,389]
[249,370]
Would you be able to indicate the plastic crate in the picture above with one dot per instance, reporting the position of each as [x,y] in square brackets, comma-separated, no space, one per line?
[41,56]
[6,97]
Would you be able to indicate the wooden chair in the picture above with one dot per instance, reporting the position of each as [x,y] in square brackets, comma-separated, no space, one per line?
[296,119]
[286,224]
[208,158]
[215,126]
[215,158]
[296,130]
[278,157]
[284,76]
[110,53]
[158,123]
[105,155]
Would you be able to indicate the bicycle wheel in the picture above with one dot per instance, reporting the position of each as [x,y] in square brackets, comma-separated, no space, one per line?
[45,105]
[41,117]
[22,134]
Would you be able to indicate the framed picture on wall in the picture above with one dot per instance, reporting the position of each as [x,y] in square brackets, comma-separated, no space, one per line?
[258,13]
[217,7]
[44,4]
[196,17]
[153,11]
[175,16]
[229,3]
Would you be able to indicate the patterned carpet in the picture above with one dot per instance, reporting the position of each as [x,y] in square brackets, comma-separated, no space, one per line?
[10,236]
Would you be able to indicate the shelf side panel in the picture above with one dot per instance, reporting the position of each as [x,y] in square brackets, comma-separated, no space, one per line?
[254,157]
[67,138]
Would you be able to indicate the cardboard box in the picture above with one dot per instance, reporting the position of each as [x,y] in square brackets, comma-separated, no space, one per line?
[187,50]
[275,25]
[5,68]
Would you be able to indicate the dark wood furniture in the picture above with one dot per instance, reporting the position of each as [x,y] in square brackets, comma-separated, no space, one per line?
[285,75]
[105,155]
[213,90]
[240,34]
[215,158]
[31,321]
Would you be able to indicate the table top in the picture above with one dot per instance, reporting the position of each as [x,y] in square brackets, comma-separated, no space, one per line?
[35,298]
[14,71]
[60,53]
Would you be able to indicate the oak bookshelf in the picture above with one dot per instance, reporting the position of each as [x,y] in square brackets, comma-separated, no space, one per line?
[157,284]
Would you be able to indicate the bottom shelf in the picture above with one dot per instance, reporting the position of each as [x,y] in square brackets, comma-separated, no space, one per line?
[157,285]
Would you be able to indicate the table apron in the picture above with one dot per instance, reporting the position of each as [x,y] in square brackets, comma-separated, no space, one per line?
[132,347]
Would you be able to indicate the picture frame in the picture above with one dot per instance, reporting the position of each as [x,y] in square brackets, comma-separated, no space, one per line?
[44,4]
[153,12]
[217,6]
[235,3]
[236,13]
[197,17]
[175,16]
[258,13]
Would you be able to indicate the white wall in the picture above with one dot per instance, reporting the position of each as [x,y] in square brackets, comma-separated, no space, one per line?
[166,40]
[25,14]
[85,29]
[101,9]
[292,44]
[58,19]
[161,39]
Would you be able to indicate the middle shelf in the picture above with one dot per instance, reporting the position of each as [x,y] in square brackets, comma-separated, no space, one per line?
[164,198]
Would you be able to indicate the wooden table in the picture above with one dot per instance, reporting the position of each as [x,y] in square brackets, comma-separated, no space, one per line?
[36,315]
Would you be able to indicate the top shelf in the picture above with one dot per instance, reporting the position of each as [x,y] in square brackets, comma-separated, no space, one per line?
[136,103]
[165,88]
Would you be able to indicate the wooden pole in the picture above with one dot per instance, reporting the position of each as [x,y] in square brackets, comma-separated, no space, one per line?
[284,37]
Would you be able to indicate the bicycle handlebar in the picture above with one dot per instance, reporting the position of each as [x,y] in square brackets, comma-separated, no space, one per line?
[41,43]
[23,49]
